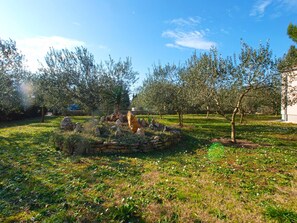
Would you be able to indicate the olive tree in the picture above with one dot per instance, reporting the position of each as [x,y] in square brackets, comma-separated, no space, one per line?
[197,84]
[163,91]
[292,32]
[11,76]
[118,79]
[69,77]
[227,82]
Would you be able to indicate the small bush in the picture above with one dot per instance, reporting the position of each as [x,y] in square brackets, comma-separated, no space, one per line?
[71,143]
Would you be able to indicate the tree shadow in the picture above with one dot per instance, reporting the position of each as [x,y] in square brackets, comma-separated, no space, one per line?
[19,190]
[29,121]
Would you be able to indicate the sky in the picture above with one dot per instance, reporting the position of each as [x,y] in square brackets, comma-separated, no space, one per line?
[148,31]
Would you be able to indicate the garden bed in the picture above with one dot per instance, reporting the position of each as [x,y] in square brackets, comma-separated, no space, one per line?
[89,142]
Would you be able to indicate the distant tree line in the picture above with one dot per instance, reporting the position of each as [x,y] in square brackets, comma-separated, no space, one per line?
[248,83]
[67,77]
[226,86]
[229,86]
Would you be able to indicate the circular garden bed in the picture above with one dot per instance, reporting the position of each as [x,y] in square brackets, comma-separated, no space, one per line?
[112,137]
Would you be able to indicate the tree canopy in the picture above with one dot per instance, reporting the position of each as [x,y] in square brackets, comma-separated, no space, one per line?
[292,32]
[11,75]
[73,77]
[225,85]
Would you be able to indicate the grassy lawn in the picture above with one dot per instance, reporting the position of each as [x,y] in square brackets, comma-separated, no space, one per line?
[192,182]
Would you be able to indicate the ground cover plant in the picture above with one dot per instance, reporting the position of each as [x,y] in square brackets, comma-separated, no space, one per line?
[198,180]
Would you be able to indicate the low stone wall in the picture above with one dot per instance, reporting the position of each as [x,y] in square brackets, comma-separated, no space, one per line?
[112,138]
[157,143]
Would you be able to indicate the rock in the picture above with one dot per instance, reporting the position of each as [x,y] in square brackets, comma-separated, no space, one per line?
[118,122]
[125,119]
[153,122]
[161,127]
[176,132]
[121,118]
[143,123]
[118,132]
[110,118]
[114,127]
[102,119]
[156,138]
[166,129]
[95,121]
[66,124]
[151,126]
[78,127]
[132,122]
[140,131]
[97,131]
[113,117]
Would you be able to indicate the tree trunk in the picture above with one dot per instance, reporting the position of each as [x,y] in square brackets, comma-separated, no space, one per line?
[161,116]
[207,112]
[180,118]
[117,109]
[236,109]
[233,132]
[233,129]
[42,114]
[241,116]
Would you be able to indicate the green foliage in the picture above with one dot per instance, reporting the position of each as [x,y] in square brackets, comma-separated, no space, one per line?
[71,143]
[289,60]
[74,77]
[164,91]
[288,66]
[69,77]
[121,78]
[223,84]
[11,77]
[292,32]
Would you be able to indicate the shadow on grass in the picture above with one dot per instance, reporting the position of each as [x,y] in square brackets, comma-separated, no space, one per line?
[19,190]
[21,193]
[30,121]
[23,139]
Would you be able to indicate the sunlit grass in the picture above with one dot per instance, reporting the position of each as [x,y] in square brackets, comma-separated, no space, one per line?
[181,184]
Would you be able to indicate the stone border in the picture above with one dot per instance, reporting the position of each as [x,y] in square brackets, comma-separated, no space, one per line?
[82,147]
[157,143]
[76,143]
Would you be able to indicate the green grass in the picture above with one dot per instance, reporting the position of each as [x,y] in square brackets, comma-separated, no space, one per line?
[194,181]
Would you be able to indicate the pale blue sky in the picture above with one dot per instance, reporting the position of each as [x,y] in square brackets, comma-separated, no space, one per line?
[148,31]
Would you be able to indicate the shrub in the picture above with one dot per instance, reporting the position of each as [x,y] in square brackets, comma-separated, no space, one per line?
[71,143]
